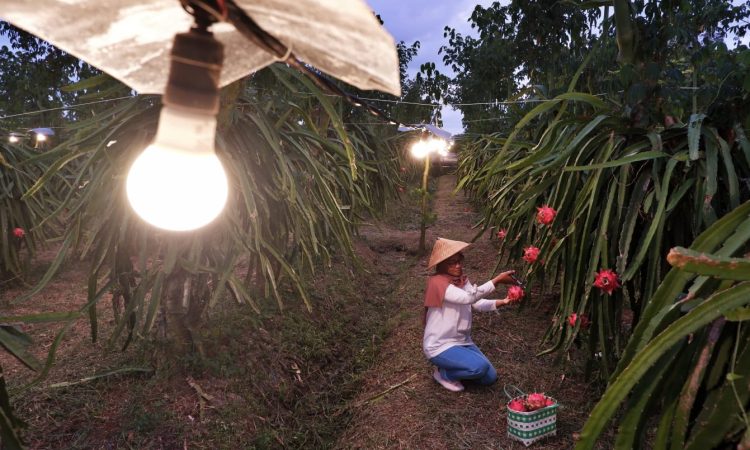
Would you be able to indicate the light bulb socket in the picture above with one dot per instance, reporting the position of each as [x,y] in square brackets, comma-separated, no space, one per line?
[194,72]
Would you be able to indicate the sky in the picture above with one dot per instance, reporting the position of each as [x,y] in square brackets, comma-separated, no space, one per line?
[423,21]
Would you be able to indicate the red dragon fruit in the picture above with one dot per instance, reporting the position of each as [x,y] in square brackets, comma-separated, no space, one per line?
[536,400]
[530,254]
[517,405]
[545,215]
[607,281]
[549,402]
[501,233]
[515,293]
[573,318]
[19,233]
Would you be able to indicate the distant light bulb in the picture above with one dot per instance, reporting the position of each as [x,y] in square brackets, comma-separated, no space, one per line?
[420,149]
[178,183]
[13,139]
[40,137]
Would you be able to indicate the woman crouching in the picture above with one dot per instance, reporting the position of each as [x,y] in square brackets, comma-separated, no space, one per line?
[449,299]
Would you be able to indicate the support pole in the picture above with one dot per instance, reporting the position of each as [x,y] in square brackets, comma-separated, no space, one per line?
[423,226]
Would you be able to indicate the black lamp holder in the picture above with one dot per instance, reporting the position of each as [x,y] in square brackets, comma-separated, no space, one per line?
[195,68]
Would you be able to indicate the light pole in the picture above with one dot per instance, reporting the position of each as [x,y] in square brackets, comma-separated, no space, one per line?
[422,149]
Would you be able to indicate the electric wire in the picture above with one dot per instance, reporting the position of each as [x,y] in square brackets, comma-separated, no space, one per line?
[77,105]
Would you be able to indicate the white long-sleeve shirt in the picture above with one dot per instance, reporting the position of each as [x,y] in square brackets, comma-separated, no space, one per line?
[450,324]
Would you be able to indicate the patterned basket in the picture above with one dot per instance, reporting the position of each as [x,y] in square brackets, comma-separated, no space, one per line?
[529,427]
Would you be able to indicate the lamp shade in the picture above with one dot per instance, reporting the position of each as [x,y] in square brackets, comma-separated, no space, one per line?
[131,39]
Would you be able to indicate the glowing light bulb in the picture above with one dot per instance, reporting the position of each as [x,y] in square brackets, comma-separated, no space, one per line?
[420,149]
[40,137]
[178,183]
[13,139]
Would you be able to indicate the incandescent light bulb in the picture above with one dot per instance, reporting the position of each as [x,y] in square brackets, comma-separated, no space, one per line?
[178,183]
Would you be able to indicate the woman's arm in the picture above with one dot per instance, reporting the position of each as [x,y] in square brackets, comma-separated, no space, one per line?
[491,305]
[503,302]
[469,294]
[485,305]
[504,278]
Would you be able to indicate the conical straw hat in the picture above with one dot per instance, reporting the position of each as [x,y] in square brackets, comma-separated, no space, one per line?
[444,249]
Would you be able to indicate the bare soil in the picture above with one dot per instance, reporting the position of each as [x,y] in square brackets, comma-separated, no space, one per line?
[351,374]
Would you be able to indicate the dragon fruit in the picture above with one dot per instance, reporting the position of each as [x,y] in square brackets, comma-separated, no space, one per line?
[530,254]
[517,405]
[574,318]
[535,401]
[19,233]
[515,293]
[607,281]
[501,233]
[549,402]
[545,215]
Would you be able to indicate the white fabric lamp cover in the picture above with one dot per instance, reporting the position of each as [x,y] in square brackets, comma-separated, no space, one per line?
[131,39]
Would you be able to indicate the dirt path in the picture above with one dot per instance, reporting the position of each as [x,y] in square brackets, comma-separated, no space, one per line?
[400,405]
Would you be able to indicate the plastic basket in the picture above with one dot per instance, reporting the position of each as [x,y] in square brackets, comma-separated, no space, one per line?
[529,427]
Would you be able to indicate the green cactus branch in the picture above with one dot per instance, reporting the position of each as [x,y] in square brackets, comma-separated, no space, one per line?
[707,264]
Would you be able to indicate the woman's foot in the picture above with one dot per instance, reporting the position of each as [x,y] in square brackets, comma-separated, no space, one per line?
[454,386]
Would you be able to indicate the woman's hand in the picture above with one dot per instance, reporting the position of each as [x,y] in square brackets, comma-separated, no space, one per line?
[504,278]
[503,302]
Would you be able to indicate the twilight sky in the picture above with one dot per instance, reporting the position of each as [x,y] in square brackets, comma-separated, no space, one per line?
[423,21]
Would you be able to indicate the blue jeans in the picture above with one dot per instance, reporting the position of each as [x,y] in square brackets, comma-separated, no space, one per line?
[465,362]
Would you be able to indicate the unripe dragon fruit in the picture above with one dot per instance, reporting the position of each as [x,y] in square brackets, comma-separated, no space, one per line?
[515,293]
[517,405]
[536,401]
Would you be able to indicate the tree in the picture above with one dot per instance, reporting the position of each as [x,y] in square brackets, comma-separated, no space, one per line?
[534,44]
[24,88]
